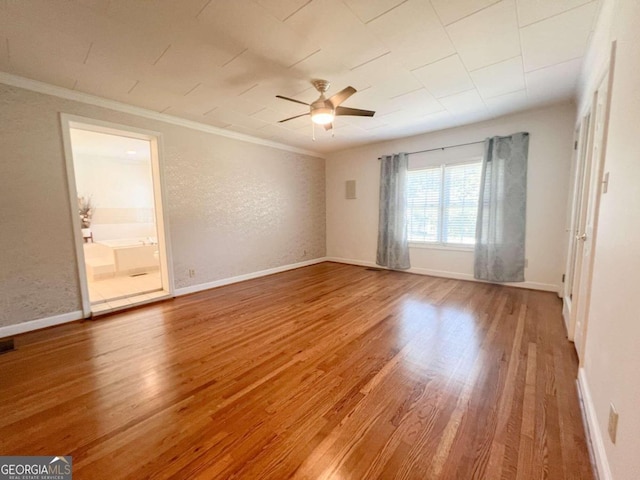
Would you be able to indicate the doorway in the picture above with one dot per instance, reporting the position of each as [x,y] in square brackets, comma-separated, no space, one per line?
[116,202]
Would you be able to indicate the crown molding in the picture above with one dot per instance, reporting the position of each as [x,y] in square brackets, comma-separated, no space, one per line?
[61,92]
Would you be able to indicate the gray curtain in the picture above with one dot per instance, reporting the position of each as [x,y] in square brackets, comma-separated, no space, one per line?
[500,229]
[393,243]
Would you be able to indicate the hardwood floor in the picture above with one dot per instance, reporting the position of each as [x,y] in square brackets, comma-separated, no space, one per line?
[329,371]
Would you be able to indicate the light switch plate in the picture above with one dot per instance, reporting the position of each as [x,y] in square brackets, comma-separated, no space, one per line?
[351,189]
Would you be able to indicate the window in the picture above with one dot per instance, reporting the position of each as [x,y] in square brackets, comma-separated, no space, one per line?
[443,203]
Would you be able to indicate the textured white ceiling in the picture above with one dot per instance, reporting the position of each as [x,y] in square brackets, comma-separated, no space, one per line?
[421,65]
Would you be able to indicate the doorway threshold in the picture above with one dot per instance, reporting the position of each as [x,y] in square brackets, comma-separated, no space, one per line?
[129,302]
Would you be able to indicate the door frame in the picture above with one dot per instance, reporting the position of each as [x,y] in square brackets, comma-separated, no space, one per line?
[69,121]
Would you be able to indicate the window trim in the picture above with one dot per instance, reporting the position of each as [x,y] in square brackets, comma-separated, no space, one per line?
[456,247]
[463,247]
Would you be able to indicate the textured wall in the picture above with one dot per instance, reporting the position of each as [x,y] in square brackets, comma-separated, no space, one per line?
[233,207]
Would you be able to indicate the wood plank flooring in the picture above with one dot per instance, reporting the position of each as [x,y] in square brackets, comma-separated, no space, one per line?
[326,372]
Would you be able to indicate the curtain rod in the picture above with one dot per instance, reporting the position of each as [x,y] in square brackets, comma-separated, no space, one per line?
[442,148]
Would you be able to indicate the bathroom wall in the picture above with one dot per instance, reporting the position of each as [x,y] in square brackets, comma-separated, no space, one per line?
[121,190]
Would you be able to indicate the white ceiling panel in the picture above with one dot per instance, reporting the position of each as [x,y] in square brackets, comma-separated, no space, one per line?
[500,78]
[445,77]
[553,83]
[390,77]
[487,37]
[557,39]
[510,102]
[200,99]
[335,28]
[366,123]
[320,64]
[420,101]
[269,116]
[296,123]
[453,10]
[149,96]
[413,34]
[248,25]
[157,15]
[43,40]
[282,9]
[100,6]
[530,12]
[103,82]
[222,62]
[69,17]
[231,117]
[464,102]
[368,10]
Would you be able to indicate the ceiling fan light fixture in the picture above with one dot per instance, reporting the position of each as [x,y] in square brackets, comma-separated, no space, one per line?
[322,116]
[324,110]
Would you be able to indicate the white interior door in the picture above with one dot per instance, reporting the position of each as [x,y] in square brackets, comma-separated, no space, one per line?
[578,215]
[586,235]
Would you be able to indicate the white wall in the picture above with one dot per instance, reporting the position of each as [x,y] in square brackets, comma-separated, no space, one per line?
[611,369]
[352,224]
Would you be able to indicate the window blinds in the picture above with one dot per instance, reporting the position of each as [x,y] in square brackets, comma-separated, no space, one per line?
[443,203]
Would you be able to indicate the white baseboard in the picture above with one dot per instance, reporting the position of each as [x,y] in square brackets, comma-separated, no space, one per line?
[547,287]
[248,276]
[593,429]
[31,325]
[72,316]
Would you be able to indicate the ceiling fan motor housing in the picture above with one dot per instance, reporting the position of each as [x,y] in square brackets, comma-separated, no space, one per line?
[321,85]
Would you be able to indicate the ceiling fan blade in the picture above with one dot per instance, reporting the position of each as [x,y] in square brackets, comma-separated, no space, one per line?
[328,126]
[291,118]
[291,100]
[341,96]
[354,111]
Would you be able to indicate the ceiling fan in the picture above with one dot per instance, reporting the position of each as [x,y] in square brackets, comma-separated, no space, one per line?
[324,110]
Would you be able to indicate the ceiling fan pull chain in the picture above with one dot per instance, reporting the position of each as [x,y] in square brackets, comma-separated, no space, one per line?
[313,131]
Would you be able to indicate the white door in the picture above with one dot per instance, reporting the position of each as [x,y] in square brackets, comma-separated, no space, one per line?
[580,197]
[586,234]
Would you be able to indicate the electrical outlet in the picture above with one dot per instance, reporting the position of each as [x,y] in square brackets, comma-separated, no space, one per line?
[613,423]
[192,272]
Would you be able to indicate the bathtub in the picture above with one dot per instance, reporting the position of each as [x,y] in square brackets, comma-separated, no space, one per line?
[129,256]
[123,256]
